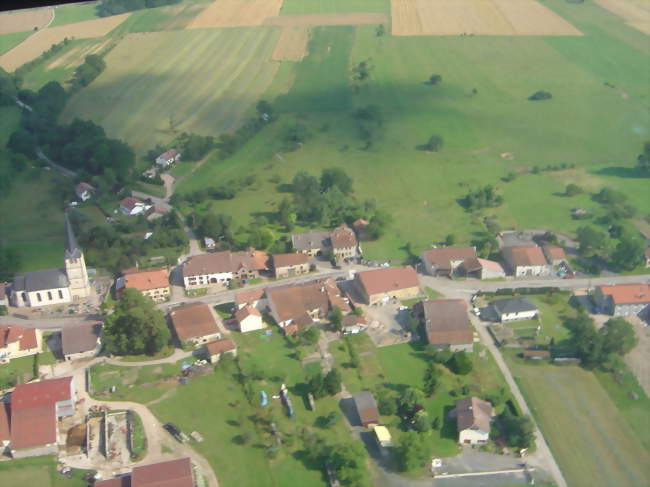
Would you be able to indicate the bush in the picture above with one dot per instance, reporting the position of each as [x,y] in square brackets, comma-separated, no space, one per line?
[540,95]
[572,190]
[460,363]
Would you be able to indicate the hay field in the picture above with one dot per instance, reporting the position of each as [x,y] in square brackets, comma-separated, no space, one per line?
[328,19]
[24,21]
[236,13]
[292,44]
[635,13]
[477,17]
[204,80]
[41,41]
[76,56]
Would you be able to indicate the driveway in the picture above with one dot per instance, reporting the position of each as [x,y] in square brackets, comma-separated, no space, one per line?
[387,324]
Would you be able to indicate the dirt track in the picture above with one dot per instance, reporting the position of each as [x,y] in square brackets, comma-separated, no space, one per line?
[24,21]
[292,44]
[41,41]
[327,19]
[236,13]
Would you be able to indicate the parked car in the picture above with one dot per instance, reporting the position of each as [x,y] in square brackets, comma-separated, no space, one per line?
[175,432]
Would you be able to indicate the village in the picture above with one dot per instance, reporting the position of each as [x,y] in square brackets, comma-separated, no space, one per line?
[471,317]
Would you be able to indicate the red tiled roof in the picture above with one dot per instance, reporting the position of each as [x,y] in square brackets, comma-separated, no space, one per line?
[245,312]
[146,280]
[32,426]
[447,322]
[556,253]
[116,482]
[343,237]
[40,393]
[129,203]
[15,333]
[4,422]
[81,187]
[472,412]
[627,293]
[287,260]
[224,262]
[170,154]
[359,222]
[193,321]
[441,257]
[249,296]
[221,346]
[387,280]
[174,473]
[293,302]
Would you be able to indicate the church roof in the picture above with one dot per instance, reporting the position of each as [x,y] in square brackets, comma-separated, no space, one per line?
[41,280]
[72,249]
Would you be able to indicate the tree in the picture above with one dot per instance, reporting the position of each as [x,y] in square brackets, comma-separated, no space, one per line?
[332,382]
[643,160]
[431,379]
[316,385]
[629,252]
[336,318]
[517,431]
[436,423]
[435,79]
[450,239]
[136,326]
[572,190]
[348,460]
[8,90]
[434,144]
[10,262]
[586,340]
[335,177]
[264,109]
[412,450]
[421,422]
[540,95]
[310,336]
[378,224]
[591,241]
[619,336]
[460,363]
[410,402]
[386,402]
[485,197]
[381,30]
[330,420]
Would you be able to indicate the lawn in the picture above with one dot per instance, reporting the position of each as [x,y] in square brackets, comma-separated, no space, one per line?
[589,436]
[9,41]
[19,369]
[40,471]
[487,132]
[159,84]
[69,14]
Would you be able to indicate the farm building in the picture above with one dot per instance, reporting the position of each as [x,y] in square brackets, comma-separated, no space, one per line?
[445,261]
[17,341]
[360,227]
[254,297]
[173,473]
[526,261]
[344,243]
[447,324]
[81,341]
[311,243]
[84,191]
[481,268]
[536,355]
[214,350]
[153,283]
[473,417]
[366,408]
[381,285]
[168,158]
[222,267]
[195,323]
[296,306]
[249,319]
[288,265]
[514,309]
[554,255]
[623,299]
[353,324]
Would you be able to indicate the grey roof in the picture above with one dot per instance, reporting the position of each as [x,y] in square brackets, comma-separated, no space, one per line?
[41,280]
[366,407]
[310,240]
[80,338]
[72,249]
[513,305]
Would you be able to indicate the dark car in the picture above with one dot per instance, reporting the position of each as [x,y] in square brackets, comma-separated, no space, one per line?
[174,431]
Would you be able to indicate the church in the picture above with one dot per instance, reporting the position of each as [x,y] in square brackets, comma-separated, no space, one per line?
[54,286]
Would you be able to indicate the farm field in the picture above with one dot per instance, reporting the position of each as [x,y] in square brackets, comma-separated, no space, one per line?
[590,439]
[601,139]
[70,14]
[236,13]
[292,44]
[171,17]
[299,7]
[35,45]
[25,20]
[9,41]
[635,13]
[203,80]
[327,19]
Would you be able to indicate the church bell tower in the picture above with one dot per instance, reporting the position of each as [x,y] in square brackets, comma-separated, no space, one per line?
[75,265]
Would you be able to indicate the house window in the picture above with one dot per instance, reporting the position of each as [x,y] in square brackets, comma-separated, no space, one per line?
[49,296]
[38,296]
[60,294]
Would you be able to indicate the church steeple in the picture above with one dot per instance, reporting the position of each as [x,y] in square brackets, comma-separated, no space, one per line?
[72,249]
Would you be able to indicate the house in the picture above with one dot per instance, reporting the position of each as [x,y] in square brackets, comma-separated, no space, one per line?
[554,255]
[4,290]
[526,261]
[473,417]
[81,341]
[380,285]
[222,267]
[294,307]
[481,268]
[314,244]
[195,323]
[344,243]
[623,299]
[156,211]
[167,158]
[447,324]
[353,324]
[253,297]
[172,473]
[84,191]
[514,309]
[153,283]
[17,341]
[289,265]
[444,261]
[131,206]
[366,408]
[383,437]
[249,319]
[360,227]
[215,349]
[536,355]
[35,409]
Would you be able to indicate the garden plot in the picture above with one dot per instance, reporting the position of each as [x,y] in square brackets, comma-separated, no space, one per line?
[236,13]
[477,17]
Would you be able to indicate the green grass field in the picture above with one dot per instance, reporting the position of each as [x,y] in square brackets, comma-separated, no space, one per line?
[590,438]
[69,14]
[9,41]
[40,471]
[299,7]
[204,80]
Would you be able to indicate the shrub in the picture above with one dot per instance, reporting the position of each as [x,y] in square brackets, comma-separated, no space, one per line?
[540,95]
[460,363]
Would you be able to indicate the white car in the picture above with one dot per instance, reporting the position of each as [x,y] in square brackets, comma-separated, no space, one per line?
[403,308]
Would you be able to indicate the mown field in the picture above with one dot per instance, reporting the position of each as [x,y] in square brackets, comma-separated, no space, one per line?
[159,84]
[299,7]
[69,14]
[40,471]
[590,438]
[487,133]
[9,41]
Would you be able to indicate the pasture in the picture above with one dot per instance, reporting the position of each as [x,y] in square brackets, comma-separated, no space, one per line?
[588,435]
[476,17]
[71,14]
[159,84]
[41,41]
[236,13]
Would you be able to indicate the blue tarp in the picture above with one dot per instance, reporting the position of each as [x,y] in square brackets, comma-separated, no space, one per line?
[265,399]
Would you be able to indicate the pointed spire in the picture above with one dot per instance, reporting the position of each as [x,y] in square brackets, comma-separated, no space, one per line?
[72,249]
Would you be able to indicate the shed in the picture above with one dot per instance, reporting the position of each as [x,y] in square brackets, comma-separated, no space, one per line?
[366,408]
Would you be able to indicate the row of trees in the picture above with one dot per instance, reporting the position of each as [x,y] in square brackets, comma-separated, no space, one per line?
[231,143]
[92,67]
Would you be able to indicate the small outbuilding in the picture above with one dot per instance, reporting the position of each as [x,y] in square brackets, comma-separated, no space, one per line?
[249,319]
[514,309]
[214,350]
[383,437]
[366,408]
[81,341]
